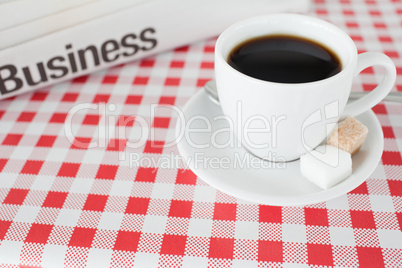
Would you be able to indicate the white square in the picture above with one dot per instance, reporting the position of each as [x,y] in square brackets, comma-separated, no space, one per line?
[93,156]
[381,203]
[244,263]
[27,214]
[200,227]
[7,179]
[110,220]
[36,129]
[342,236]
[68,217]
[57,154]
[43,183]
[294,233]
[6,126]
[162,191]
[146,260]
[22,152]
[195,262]
[53,256]
[81,186]
[99,258]
[390,238]
[10,252]
[121,188]
[154,224]
[246,230]
[340,202]
[204,193]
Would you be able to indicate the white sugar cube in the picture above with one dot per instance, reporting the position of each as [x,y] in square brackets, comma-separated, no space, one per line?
[326,166]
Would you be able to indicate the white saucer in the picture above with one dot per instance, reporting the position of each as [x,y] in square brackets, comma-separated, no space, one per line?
[265,182]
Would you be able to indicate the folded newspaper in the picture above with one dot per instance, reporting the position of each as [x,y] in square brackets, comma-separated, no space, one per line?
[79,39]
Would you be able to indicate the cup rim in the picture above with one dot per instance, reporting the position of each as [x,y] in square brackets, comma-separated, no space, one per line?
[227,31]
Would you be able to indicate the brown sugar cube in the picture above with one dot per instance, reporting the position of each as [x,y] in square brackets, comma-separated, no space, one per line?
[349,135]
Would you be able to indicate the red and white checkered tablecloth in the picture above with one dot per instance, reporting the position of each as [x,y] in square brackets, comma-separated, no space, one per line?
[68,205]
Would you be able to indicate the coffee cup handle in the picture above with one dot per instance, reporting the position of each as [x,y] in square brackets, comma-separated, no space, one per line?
[365,103]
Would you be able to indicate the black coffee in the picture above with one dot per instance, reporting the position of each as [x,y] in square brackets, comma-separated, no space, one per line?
[284,59]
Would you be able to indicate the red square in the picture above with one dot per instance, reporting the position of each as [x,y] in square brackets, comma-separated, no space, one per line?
[39,96]
[177,64]
[154,147]
[127,241]
[125,120]
[209,49]
[101,98]
[95,202]
[207,65]
[146,174]
[201,82]
[348,12]
[392,158]
[221,248]
[12,139]
[319,254]
[58,118]
[15,197]
[26,117]
[147,63]
[117,145]
[270,214]
[380,109]
[224,211]
[380,25]
[361,189]
[46,141]
[395,187]
[1,113]
[70,97]
[141,80]
[182,49]
[3,163]
[167,100]
[137,205]
[392,53]
[173,244]
[110,79]
[68,170]
[359,38]
[399,219]
[32,167]
[316,216]
[80,79]
[39,233]
[180,208]
[4,225]
[172,81]
[55,199]
[385,39]
[352,24]
[91,119]
[81,143]
[362,219]
[82,237]
[107,172]
[388,132]
[186,176]
[370,257]
[133,99]
[368,87]
[271,251]
[161,122]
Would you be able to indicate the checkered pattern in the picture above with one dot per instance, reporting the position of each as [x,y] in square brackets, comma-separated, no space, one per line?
[77,203]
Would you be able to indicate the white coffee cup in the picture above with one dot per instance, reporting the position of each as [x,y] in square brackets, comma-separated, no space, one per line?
[281,121]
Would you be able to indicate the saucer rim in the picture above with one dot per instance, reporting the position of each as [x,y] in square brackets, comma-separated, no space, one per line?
[289,200]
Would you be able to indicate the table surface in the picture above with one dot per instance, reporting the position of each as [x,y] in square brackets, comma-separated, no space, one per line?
[63,204]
